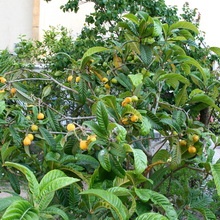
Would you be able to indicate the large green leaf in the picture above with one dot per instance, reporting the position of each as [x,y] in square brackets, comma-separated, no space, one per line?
[175,76]
[181,96]
[102,116]
[145,126]
[82,91]
[172,123]
[24,97]
[207,213]
[114,202]
[216,175]
[136,79]
[93,50]
[2,106]
[146,54]
[104,159]
[185,25]
[151,216]
[21,210]
[6,202]
[53,120]
[157,199]
[215,50]
[15,135]
[204,99]
[56,211]
[48,137]
[117,167]
[32,181]
[140,160]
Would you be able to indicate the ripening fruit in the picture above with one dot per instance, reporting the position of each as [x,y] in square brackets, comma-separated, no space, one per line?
[134,98]
[107,86]
[83,145]
[192,150]
[195,138]
[182,143]
[28,117]
[30,136]
[13,90]
[125,121]
[70,127]
[128,99]
[70,78]
[123,104]
[92,139]
[1,91]
[26,141]
[2,79]
[40,116]
[78,79]
[104,79]
[104,64]
[114,81]
[34,127]
[134,118]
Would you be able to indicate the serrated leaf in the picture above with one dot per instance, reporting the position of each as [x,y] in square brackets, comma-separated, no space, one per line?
[185,25]
[104,160]
[151,216]
[145,126]
[32,181]
[56,211]
[22,210]
[48,137]
[116,167]
[86,160]
[114,202]
[13,179]
[157,199]
[181,96]
[216,175]
[207,213]
[175,76]
[172,123]
[15,136]
[102,116]
[146,54]
[93,50]
[140,160]
[132,18]
[53,120]
[154,120]
[136,79]
[2,106]
[134,45]
[82,91]
[24,97]
[6,202]
[176,156]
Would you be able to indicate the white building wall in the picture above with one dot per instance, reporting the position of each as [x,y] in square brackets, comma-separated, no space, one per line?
[15,20]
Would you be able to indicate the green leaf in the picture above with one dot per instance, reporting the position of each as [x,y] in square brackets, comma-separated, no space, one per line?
[181,96]
[6,202]
[132,18]
[207,213]
[102,116]
[204,99]
[82,91]
[96,129]
[161,155]
[154,120]
[24,97]
[48,137]
[172,123]
[185,25]
[116,167]
[128,109]
[176,156]
[134,45]
[136,79]
[93,50]
[13,179]
[216,175]
[21,210]
[104,159]
[157,199]
[114,202]
[86,160]
[145,126]
[46,91]
[140,160]
[175,76]
[146,54]
[6,150]
[56,211]
[15,135]
[53,120]
[122,132]
[215,50]
[151,216]
[2,106]
[32,181]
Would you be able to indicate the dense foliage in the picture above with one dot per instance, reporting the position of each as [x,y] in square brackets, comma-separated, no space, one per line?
[119,132]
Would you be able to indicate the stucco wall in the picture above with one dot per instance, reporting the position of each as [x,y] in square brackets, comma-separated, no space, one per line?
[15,20]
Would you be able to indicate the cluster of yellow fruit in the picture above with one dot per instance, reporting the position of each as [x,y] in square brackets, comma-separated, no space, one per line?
[27,140]
[128,100]
[2,80]
[191,149]
[105,80]
[70,78]
[133,118]
[84,144]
